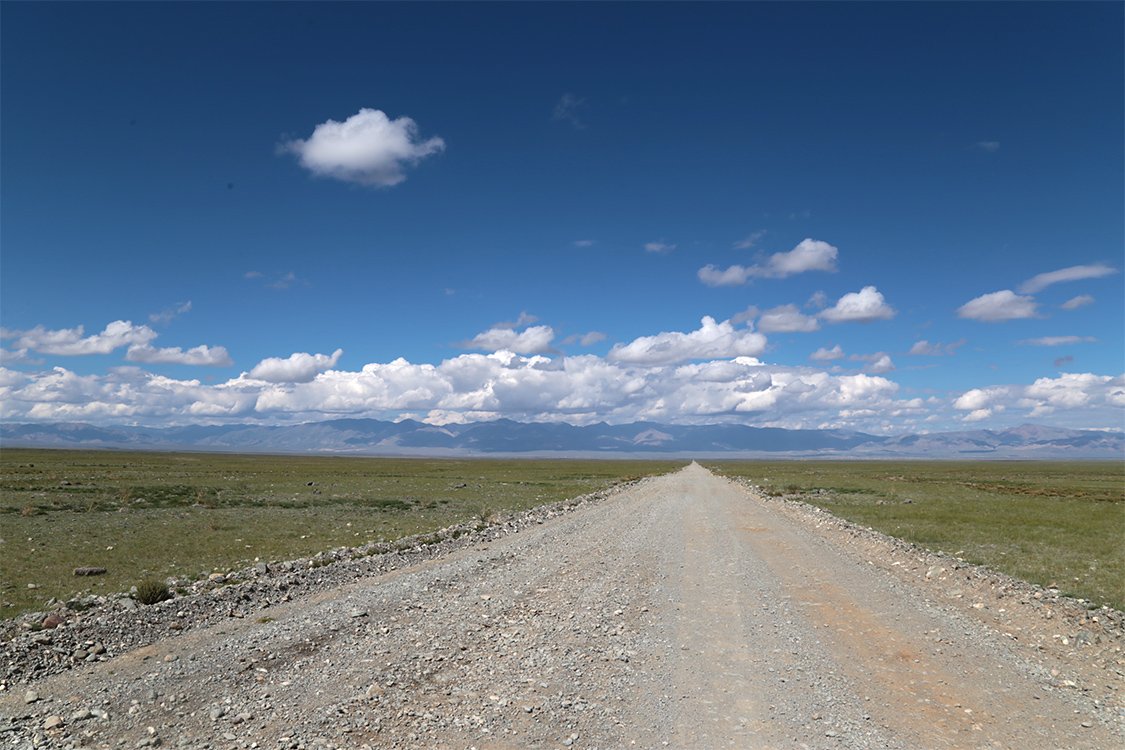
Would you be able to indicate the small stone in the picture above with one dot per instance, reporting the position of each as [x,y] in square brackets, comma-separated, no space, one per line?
[171,657]
[80,715]
[88,571]
[53,722]
[1087,724]
[217,713]
[30,696]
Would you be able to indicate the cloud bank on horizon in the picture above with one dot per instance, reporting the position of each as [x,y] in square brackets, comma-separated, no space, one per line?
[677,252]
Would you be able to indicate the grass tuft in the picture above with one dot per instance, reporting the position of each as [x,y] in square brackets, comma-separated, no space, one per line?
[151,591]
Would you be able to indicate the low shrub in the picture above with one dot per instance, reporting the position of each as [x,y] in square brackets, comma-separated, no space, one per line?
[152,591]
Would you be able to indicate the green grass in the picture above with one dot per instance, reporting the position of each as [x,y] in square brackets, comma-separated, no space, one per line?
[1057,524]
[154,515]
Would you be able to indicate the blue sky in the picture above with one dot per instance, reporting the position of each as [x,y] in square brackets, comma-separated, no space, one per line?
[885,217]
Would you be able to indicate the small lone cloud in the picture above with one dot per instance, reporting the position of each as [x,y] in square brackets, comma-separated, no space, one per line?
[1080,301]
[584,243]
[989,146]
[661,248]
[1073,273]
[1063,361]
[567,108]
[164,317]
[368,148]
[998,307]
[750,241]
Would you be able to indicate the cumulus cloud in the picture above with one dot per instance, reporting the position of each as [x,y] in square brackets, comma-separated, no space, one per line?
[787,319]
[711,341]
[298,368]
[1076,302]
[17,357]
[998,307]
[864,306]
[926,349]
[881,365]
[661,248]
[979,398]
[1057,341]
[534,340]
[809,255]
[578,389]
[827,355]
[70,342]
[205,356]
[1073,273]
[368,148]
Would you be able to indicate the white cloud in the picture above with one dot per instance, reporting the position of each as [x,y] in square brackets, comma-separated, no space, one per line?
[578,389]
[213,356]
[584,243]
[819,300]
[534,340]
[978,398]
[881,365]
[368,148]
[298,368]
[989,146]
[592,338]
[748,314]
[164,317]
[809,255]
[524,319]
[1076,302]
[750,241]
[661,247]
[70,342]
[1057,341]
[711,341]
[787,319]
[998,307]
[17,357]
[926,349]
[1073,273]
[864,306]
[827,355]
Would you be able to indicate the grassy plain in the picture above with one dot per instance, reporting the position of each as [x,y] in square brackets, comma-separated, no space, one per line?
[153,515]
[1057,524]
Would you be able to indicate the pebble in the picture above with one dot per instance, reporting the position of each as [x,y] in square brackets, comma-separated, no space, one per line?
[30,696]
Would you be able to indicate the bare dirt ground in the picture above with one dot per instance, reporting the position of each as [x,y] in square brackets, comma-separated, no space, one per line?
[686,612]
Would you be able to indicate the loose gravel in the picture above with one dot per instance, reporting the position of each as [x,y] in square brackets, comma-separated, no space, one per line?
[685,611]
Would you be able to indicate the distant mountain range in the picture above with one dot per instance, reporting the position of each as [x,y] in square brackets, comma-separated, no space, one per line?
[505,437]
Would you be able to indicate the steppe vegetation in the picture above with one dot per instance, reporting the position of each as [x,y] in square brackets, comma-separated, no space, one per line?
[1056,524]
[150,516]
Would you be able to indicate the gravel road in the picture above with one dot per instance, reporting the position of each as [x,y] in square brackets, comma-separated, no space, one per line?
[685,612]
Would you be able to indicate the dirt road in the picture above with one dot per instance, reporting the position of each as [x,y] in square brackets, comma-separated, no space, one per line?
[684,613]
